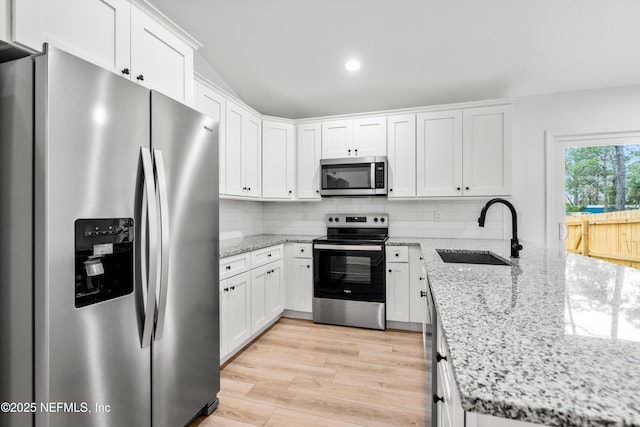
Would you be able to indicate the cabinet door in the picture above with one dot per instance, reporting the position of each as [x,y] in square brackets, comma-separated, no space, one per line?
[398,291]
[95,30]
[439,154]
[302,284]
[213,105]
[487,151]
[259,315]
[273,290]
[337,139]
[159,59]
[239,310]
[278,160]
[417,283]
[401,155]
[252,155]
[233,150]
[223,302]
[370,136]
[309,152]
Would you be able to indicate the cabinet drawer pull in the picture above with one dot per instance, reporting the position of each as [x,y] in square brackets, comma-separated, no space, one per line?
[308,266]
[421,278]
[233,288]
[140,77]
[228,267]
[437,398]
[125,71]
[226,289]
[269,255]
[423,294]
[466,188]
[390,271]
[440,357]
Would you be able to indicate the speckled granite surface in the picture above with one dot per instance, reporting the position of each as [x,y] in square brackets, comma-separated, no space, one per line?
[231,247]
[553,339]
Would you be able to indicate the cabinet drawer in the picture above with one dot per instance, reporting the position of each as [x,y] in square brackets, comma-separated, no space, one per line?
[302,250]
[266,255]
[397,253]
[233,265]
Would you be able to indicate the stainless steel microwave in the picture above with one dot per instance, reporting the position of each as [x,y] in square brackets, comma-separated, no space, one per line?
[353,176]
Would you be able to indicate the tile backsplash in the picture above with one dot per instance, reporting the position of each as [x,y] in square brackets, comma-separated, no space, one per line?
[415,218]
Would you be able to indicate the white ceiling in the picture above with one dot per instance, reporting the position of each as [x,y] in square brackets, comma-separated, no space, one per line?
[286,57]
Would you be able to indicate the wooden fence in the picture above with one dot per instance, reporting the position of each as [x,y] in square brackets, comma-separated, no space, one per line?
[610,236]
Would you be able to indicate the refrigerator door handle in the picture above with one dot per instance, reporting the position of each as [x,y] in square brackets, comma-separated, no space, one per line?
[161,183]
[151,278]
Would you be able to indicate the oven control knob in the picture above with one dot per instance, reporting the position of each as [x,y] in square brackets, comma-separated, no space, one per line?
[375,219]
[330,219]
[381,219]
[337,219]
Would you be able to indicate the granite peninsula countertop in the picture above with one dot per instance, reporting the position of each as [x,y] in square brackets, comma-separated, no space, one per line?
[229,247]
[553,339]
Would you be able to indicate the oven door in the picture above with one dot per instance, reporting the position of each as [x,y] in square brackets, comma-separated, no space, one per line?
[349,272]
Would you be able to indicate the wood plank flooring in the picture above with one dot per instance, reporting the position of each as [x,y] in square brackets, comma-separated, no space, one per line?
[299,373]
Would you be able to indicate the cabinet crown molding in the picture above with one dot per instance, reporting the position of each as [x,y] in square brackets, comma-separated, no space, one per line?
[167,22]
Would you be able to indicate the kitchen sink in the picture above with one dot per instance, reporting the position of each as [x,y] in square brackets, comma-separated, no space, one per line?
[461,256]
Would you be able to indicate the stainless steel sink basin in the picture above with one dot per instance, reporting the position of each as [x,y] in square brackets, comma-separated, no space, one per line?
[461,256]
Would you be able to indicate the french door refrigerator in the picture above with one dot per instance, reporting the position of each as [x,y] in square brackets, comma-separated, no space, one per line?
[108,250]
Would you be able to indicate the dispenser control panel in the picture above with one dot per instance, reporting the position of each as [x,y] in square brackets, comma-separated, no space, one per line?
[103,259]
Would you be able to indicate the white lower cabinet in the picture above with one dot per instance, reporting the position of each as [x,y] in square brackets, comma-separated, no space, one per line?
[397,283]
[235,312]
[249,298]
[266,294]
[302,285]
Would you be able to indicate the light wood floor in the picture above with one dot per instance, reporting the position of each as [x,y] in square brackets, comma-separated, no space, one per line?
[299,373]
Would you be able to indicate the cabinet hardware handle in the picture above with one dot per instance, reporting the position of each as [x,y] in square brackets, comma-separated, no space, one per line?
[302,250]
[248,188]
[458,188]
[244,188]
[421,278]
[356,151]
[233,287]
[289,191]
[421,258]
[437,398]
[269,255]
[397,254]
[391,189]
[317,191]
[125,71]
[466,188]
[308,266]
[423,294]
[226,289]
[228,267]
[140,77]
[389,270]
[440,357]
[349,151]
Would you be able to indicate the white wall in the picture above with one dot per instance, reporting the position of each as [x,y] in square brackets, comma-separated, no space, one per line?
[407,218]
[604,109]
[240,218]
[206,70]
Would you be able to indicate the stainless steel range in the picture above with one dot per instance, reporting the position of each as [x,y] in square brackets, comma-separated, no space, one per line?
[349,277]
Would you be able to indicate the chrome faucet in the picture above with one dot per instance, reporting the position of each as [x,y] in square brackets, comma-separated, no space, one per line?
[516,247]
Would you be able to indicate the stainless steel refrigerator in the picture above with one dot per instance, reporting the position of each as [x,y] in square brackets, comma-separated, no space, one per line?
[108,250]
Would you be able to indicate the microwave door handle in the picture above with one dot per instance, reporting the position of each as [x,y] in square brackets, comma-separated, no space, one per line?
[373,175]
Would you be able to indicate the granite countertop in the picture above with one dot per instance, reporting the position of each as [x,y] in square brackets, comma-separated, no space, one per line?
[553,339]
[229,247]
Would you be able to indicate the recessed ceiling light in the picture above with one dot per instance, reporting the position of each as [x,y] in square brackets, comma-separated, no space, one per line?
[352,65]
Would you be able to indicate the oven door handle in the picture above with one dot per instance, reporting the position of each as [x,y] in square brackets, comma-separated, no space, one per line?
[349,247]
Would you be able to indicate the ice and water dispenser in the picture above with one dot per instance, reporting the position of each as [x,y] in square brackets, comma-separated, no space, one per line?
[103,259]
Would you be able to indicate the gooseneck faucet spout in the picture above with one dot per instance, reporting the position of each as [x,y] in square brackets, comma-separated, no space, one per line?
[516,247]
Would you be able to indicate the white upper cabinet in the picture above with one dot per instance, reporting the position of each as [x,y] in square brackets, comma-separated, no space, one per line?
[213,105]
[252,155]
[234,128]
[131,39]
[337,139]
[357,137]
[96,30]
[309,152]
[439,154]
[159,59]
[278,160]
[401,153]
[487,151]
[370,136]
